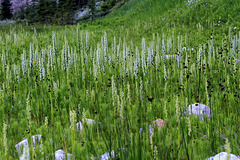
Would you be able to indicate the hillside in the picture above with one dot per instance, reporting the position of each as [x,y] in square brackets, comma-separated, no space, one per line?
[151,79]
[142,18]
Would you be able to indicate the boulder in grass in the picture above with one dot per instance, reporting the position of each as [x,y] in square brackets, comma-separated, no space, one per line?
[184,48]
[25,144]
[24,154]
[6,22]
[61,155]
[85,121]
[159,123]
[107,156]
[223,156]
[171,57]
[140,130]
[237,61]
[199,109]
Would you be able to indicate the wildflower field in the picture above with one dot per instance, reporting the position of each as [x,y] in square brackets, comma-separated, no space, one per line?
[125,83]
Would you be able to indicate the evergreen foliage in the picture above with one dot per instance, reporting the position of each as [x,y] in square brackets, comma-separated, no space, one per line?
[59,12]
[46,11]
[66,10]
[6,12]
[92,7]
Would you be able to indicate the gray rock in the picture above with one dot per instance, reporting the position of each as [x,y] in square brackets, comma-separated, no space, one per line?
[25,144]
[199,109]
[140,130]
[106,156]
[187,49]
[86,11]
[82,13]
[86,121]
[98,4]
[60,155]
[172,57]
[223,156]
[7,22]
[184,48]
[237,61]
[25,153]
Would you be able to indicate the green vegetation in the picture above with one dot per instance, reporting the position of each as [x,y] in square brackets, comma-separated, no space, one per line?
[142,18]
[113,70]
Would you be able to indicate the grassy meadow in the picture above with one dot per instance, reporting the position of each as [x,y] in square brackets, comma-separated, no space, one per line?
[113,70]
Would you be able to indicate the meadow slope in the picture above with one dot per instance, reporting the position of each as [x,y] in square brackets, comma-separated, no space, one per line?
[147,60]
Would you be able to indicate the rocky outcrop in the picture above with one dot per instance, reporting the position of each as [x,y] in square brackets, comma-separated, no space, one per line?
[18,4]
[86,11]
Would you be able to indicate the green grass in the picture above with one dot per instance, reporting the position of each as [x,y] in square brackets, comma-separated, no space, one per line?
[144,17]
[96,70]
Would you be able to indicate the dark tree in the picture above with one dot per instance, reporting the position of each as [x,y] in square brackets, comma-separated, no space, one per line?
[46,11]
[66,11]
[6,11]
[92,7]
[82,3]
[30,11]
